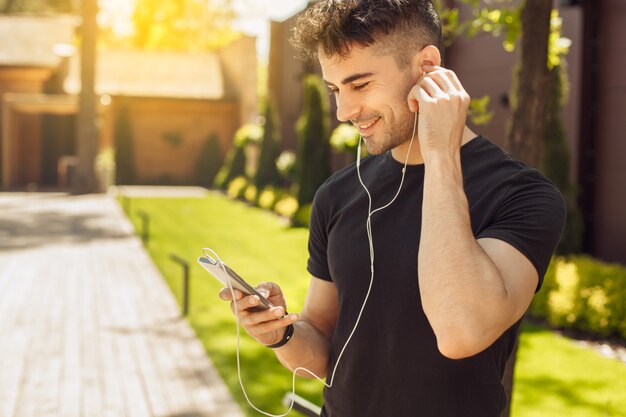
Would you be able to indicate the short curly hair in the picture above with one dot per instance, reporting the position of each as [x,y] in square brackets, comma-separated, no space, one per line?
[398,27]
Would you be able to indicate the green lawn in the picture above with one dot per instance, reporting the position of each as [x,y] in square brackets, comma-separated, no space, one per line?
[553,376]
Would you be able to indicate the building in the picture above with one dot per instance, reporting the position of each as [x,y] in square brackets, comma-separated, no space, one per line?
[27,62]
[594,127]
[175,101]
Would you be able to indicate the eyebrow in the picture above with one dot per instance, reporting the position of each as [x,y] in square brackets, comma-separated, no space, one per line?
[352,78]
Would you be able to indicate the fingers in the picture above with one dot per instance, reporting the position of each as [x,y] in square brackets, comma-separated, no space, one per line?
[226,295]
[265,325]
[437,84]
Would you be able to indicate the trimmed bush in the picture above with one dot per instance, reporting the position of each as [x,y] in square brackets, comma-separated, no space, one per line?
[313,163]
[345,139]
[267,198]
[286,206]
[302,216]
[250,194]
[555,161]
[267,173]
[582,293]
[237,187]
[235,165]
[209,161]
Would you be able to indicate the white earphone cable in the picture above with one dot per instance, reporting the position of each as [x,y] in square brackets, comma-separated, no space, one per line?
[370,238]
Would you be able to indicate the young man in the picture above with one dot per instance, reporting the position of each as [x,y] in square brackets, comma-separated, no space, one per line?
[458,254]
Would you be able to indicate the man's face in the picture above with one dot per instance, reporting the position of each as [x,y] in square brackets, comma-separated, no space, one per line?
[371,92]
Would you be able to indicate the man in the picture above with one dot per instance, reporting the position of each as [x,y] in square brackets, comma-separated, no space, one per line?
[458,254]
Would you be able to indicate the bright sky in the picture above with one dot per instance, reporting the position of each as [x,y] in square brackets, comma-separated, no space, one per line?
[254,16]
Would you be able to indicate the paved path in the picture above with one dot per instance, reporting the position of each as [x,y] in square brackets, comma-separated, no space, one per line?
[87,326]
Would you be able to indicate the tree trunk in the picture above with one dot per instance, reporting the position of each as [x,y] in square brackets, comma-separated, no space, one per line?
[8,6]
[87,132]
[529,112]
[532,78]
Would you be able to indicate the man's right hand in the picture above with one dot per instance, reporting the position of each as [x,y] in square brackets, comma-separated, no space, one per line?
[266,326]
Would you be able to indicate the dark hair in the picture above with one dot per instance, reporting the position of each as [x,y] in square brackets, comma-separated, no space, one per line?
[400,27]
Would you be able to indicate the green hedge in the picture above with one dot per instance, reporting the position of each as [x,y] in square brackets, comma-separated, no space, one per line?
[582,293]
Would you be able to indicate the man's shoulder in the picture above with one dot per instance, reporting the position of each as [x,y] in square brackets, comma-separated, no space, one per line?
[484,159]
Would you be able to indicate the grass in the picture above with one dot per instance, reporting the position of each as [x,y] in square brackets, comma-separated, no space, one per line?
[554,377]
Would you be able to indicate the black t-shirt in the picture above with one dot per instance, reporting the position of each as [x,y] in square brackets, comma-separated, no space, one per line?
[392,366]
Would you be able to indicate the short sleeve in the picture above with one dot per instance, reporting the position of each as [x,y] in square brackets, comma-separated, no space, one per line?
[317,264]
[531,218]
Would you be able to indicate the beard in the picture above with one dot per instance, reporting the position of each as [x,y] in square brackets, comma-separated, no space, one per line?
[390,133]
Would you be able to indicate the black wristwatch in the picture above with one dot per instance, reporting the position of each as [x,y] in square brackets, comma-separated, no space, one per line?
[285,339]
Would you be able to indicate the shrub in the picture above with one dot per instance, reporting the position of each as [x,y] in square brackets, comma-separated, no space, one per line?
[286,165]
[345,139]
[250,194]
[237,187]
[267,198]
[209,161]
[286,206]
[313,140]
[235,165]
[582,293]
[302,216]
[266,172]
[555,161]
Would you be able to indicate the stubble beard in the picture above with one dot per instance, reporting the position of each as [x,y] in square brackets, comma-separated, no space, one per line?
[393,135]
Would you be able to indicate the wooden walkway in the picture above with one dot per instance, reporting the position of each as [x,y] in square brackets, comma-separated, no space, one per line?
[88,327]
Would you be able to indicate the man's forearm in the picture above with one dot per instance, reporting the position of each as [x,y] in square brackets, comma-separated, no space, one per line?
[460,287]
[308,348]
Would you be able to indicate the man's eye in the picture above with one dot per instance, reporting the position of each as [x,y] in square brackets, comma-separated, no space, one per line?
[361,86]
[332,91]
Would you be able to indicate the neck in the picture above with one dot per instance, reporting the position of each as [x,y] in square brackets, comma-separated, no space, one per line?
[415,157]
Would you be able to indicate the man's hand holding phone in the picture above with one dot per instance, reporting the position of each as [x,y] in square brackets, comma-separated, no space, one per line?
[266,325]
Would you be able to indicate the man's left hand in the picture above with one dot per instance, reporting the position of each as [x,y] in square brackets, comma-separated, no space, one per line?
[442,103]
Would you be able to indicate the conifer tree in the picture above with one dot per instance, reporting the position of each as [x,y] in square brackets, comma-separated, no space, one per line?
[267,173]
[313,140]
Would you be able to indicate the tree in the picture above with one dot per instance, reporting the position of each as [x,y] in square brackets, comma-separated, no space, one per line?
[528,107]
[267,172]
[36,6]
[530,92]
[209,161]
[183,25]
[313,140]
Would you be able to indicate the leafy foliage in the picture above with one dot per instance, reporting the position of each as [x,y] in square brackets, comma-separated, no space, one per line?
[36,6]
[235,164]
[582,293]
[497,18]
[345,138]
[479,110]
[174,25]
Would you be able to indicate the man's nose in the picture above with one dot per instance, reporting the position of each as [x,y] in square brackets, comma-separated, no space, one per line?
[347,108]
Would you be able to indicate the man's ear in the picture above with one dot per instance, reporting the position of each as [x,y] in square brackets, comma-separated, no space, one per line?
[429,55]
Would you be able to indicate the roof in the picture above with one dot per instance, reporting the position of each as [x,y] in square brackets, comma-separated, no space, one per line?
[28,40]
[153,74]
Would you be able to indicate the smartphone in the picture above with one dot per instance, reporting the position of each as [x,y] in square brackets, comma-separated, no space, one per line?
[238,283]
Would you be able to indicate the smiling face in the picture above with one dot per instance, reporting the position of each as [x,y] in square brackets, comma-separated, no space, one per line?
[371,92]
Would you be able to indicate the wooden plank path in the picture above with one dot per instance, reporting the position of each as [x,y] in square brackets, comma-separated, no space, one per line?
[88,328]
